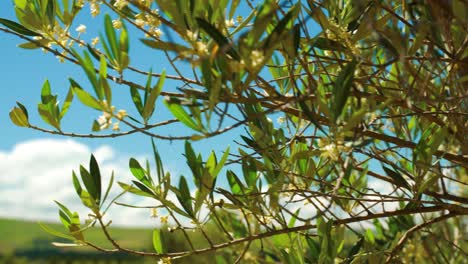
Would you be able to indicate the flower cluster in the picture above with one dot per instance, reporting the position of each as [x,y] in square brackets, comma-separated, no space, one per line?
[256,58]
[164,219]
[81,29]
[164,261]
[201,48]
[117,23]
[332,148]
[119,4]
[95,41]
[230,23]
[105,120]
[150,20]
[95,8]
[154,212]
[341,34]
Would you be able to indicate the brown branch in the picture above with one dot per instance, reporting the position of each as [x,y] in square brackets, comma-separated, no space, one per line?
[454,209]
[412,230]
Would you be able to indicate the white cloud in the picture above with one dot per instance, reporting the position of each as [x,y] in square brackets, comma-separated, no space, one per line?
[35,173]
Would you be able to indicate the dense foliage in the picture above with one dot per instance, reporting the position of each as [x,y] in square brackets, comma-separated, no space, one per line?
[351,121]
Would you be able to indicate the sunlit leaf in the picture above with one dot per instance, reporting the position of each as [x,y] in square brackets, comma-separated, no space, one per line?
[18,28]
[159,242]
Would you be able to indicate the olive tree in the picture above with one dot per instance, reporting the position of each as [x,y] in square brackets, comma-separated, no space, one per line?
[351,118]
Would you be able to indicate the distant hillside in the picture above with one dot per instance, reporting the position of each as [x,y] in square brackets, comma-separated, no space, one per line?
[26,242]
[21,234]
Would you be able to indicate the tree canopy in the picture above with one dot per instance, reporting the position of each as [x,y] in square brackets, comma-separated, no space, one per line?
[350,120]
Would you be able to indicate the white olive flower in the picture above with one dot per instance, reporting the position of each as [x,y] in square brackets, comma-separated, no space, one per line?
[81,29]
[117,23]
[116,126]
[154,212]
[119,4]
[79,3]
[201,48]
[121,114]
[104,121]
[257,58]
[164,261]
[95,41]
[192,36]
[156,32]
[281,120]
[230,23]
[95,9]
[140,22]
[164,219]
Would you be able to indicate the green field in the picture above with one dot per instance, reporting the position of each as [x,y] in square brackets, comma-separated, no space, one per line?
[20,238]
[26,242]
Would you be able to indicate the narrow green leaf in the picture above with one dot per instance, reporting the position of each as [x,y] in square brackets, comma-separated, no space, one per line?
[18,117]
[96,127]
[102,67]
[314,248]
[157,160]
[220,164]
[76,184]
[54,232]
[399,180]
[67,103]
[263,18]
[150,101]
[179,113]
[123,40]
[184,196]
[109,187]
[93,52]
[64,208]
[342,87]
[86,98]
[292,221]
[64,218]
[87,65]
[220,39]
[310,115]
[88,200]
[281,27]
[354,250]
[166,46]
[136,98]
[111,36]
[431,181]
[88,182]
[66,245]
[18,28]
[159,242]
[96,174]
[50,11]
[211,162]
[234,182]
[29,45]
[370,236]
[327,44]
[48,115]
[144,188]
[107,50]
[138,172]
[131,189]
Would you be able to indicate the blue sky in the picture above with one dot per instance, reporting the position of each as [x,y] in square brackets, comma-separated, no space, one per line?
[35,168]
[22,73]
